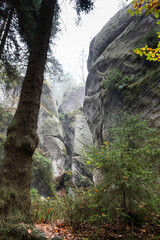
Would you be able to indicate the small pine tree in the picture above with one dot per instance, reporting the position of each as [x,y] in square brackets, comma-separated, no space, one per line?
[128,164]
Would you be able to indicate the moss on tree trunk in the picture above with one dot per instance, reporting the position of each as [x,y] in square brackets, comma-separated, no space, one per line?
[22,138]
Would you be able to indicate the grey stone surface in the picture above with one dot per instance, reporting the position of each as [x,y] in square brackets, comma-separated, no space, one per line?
[112,48]
[65,145]
[51,126]
[47,99]
[50,133]
[77,136]
[112,30]
[72,100]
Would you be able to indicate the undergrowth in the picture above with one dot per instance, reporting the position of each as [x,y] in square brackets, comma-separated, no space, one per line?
[129,189]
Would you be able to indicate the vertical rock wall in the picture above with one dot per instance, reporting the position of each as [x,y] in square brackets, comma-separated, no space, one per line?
[51,134]
[112,48]
[77,136]
[65,145]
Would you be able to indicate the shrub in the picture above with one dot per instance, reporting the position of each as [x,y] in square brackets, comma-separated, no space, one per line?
[130,181]
[150,39]
[115,79]
[42,208]
[84,206]
[130,186]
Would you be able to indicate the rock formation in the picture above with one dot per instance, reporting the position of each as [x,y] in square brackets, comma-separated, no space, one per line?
[61,149]
[112,48]
[76,136]
[51,134]
[64,145]
[72,100]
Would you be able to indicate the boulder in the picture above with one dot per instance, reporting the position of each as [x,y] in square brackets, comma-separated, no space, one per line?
[57,238]
[20,231]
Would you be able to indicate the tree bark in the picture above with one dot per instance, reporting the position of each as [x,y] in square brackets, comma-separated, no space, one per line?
[22,138]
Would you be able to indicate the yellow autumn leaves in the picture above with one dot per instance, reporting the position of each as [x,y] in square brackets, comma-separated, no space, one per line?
[153,7]
[151,53]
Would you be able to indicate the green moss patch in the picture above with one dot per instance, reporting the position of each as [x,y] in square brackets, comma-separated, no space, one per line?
[20,231]
[42,176]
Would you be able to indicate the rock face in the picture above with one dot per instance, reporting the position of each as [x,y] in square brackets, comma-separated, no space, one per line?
[76,136]
[110,49]
[51,134]
[72,100]
[64,145]
[61,149]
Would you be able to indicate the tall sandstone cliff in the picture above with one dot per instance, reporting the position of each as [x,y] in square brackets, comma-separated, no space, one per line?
[112,48]
[62,142]
[58,162]
[77,136]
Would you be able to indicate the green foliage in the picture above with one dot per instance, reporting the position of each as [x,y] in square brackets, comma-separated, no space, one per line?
[42,176]
[34,193]
[61,117]
[128,163]
[52,209]
[42,209]
[129,188]
[150,7]
[82,206]
[83,6]
[115,79]
[150,38]
[27,13]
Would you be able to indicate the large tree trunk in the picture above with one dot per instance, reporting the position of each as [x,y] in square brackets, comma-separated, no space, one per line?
[22,138]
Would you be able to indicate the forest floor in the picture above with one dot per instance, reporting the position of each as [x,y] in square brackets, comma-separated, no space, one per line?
[104,232]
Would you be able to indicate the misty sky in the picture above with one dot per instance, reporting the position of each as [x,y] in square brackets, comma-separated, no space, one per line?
[74,39]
